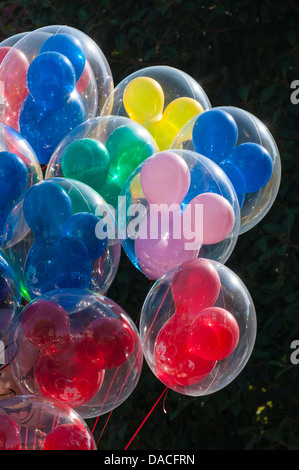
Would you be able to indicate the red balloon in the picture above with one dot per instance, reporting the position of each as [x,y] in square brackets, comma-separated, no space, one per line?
[214,334]
[176,363]
[10,438]
[67,376]
[46,325]
[69,437]
[84,80]
[13,74]
[108,342]
[195,286]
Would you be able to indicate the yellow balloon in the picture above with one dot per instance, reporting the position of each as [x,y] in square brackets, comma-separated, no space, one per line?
[143,100]
[181,110]
[135,188]
[163,132]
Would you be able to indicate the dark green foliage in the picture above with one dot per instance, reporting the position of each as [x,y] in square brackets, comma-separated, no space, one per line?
[244,54]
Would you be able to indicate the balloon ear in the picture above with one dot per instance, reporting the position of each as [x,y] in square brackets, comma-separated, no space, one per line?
[254,163]
[215,134]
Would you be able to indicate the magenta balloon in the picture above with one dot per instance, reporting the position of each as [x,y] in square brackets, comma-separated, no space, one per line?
[218,217]
[165,178]
[159,249]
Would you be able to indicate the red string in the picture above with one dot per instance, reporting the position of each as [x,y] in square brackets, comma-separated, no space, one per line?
[145,419]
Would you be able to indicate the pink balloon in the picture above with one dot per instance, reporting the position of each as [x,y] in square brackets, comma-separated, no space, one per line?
[158,250]
[218,217]
[165,178]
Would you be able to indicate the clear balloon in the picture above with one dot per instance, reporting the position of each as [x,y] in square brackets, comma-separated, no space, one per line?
[79,348]
[54,78]
[62,234]
[178,206]
[160,98]
[19,170]
[244,149]
[102,152]
[40,423]
[196,341]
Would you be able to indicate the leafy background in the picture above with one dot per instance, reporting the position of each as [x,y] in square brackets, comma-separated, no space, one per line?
[244,54]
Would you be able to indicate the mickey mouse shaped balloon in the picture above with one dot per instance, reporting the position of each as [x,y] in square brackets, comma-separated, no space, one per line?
[244,149]
[179,206]
[198,327]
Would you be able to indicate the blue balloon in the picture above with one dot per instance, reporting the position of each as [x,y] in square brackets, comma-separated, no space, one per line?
[70,47]
[236,178]
[46,207]
[13,181]
[255,164]
[214,134]
[45,129]
[80,231]
[50,79]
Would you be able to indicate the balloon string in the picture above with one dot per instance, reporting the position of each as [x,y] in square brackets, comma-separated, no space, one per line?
[145,419]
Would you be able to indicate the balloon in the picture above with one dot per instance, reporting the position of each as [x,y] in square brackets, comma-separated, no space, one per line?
[30,422]
[255,164]
[196,341]
[46,325]
[214,334]
[195,286]
[158,175]
[173,356]
[144,100]
[10,438]
[86,160]
[218,217]
[68,436]
[69,46]
[44,129]
[91,362]
[14,66]
[65,376]
[51,80]
[108,342]
[215,134]
[56,240]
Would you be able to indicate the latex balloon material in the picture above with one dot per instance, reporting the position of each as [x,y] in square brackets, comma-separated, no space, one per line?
[173,357]
[215,133]
[218,217]
[68,436]
[157,177]
[108,342]
[10,438]
[255,164]
[86,160]
[13,75]
[195,286]
[64,376]
[214,334]
[70,47]
[46,325]
[51,80]
[144,100]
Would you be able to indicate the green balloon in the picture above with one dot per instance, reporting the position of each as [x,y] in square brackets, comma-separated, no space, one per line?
[128,146]
[86,160]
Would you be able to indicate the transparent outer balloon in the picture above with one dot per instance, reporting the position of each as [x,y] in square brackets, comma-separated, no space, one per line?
[67,238]
[19,169]
[93,367]
[39,423]
[255,205]
[159,308]
[90,85]
[183,234]
[102,152]
[166,99]
[10,298]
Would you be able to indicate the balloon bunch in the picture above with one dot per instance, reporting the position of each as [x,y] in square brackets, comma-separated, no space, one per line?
[147,165]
